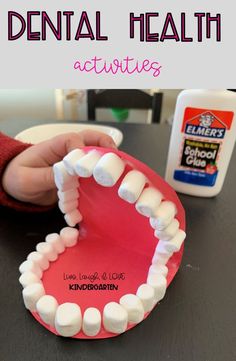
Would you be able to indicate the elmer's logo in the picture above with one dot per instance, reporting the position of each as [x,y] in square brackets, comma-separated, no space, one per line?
[206,123]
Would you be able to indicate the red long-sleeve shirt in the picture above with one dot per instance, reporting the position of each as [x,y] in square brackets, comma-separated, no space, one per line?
[10,148]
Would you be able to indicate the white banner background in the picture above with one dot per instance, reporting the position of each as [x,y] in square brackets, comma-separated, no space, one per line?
[50,63]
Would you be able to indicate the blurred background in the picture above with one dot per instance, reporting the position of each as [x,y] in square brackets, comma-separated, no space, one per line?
[81,105]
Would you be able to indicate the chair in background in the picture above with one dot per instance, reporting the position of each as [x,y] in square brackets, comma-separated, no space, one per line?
[124,98]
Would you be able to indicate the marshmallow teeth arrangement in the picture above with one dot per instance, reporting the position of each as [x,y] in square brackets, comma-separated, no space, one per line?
[161,214]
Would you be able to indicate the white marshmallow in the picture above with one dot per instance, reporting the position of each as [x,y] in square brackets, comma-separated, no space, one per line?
[31,295]
[159,283]
[108,170]
[158,269]
[55,240]
[154,224]
[84,166]
[146,294]
[72,182]
[132,186]
[39,259]
[160,248]
[67,207]
[148,202]
[68,319]
[60,173]
[134,307]
[164,215]
[72,218]
[47,250]
[68,196]
[91,321]
[27,278]
[31,267]
[174,244]
[46,307]
[69,236]
[71,159]
[169,232]
[161,258]
[115,318]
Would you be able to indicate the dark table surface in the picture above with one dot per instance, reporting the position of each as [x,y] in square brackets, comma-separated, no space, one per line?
[196,321]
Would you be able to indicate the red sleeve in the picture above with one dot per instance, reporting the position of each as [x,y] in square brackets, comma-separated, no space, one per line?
[10,148]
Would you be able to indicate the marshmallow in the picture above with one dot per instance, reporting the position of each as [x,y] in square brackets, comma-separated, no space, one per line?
[91,321]
[67,207]
[115,318]
[158,269]
[161,258]
[46,307]
[159,283]
[31,295]
[160,248]
[148,202]
[60,173]
[84,166]
[108,170]
[72,218]
[68,196]
[69,236]
[68,319]
[31,267]
[73,182]
[71,159]
[146,294]
[55,240]
[174,244]
[169,232]
[27,278]
[134,307]
[47,250]
[39,259]
[132,186]
[164,215]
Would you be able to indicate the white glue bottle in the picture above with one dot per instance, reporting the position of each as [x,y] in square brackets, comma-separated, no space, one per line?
[202,141]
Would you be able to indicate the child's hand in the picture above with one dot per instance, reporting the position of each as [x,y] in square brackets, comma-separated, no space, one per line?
[29,176]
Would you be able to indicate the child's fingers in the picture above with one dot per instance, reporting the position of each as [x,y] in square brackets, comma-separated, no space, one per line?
[47,198]
[29,176]
[53,150]
[38,179]
[65,143]
[33,185]
[91,137]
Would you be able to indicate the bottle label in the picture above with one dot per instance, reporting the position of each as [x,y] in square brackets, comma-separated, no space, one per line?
[203,133]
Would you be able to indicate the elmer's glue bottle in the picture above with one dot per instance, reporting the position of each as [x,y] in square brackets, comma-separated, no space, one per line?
[202,141]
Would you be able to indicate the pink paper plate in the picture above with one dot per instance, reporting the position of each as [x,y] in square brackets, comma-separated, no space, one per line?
[115,248]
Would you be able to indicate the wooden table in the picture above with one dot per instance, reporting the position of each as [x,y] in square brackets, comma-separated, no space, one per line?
[196,321]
